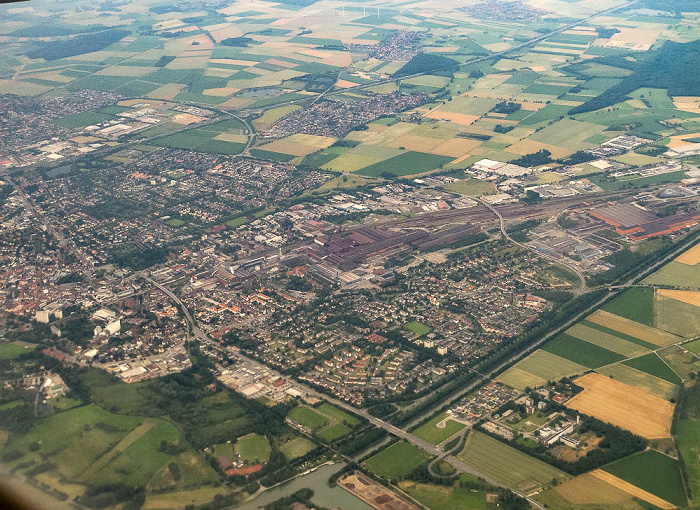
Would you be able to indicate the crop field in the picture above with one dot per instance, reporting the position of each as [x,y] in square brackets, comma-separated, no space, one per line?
[642,470]
[642,380]
[678,312]
[408,163]
[298,145]
[438,497]
[631,328]
[11,351]
[471,187]
[297,447]
[605,340]
[506,464]
[253,447]
[635,304]
[580,351]
[439,429]
[537,368]
[689,257]
[587,489]
[676,275]
[397,461]
[308,417]
[653,365]
[623,405]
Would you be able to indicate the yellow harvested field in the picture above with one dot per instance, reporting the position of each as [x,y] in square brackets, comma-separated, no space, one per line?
[220,92]
[168,91]
[299,144]
[687,103]
[635,329]
[281,63]
[679,140]
[186,119]
[587,489]
[462,119]
[689,257]
[519,379]
[271,116]
[456,147]
[632,490]
[350,162]
[687,296]
[642,38]
[233,62]
[528,146]
[219,72]
[231,137]
[415,143]
[344,84]
[623,405]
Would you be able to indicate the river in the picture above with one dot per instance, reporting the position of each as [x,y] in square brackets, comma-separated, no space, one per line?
[325,496]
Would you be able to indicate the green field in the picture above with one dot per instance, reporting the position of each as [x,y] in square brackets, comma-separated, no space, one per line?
[308,417]
[507,465]
[333,432]
[652,364]
[408,163]
[629,338]
[431,433]
[641,380]
[636,304]
[581,352]
[397,461]
[438,497]
[417,328]
[676,317]
[539,367]
[253,448]
[687,436]
[340,415]
[80,120]
[12,351]
[606,340]
[471,187]
[643,470]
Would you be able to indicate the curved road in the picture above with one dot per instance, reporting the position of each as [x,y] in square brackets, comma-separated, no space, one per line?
[582,289]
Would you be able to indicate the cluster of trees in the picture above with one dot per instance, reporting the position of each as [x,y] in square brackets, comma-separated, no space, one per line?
[672,67]
[78,45]
[506,107]
[500,128]
[237,41]
[428,63]
[541,157]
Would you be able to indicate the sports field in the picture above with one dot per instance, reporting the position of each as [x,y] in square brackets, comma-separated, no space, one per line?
[11,351]
[333,432]
[397,461]
[623,405]
[338,414]
[296,447]
[439,429]
[438,497]
[417,328]
[308,417]
[253,448]
[507,465]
